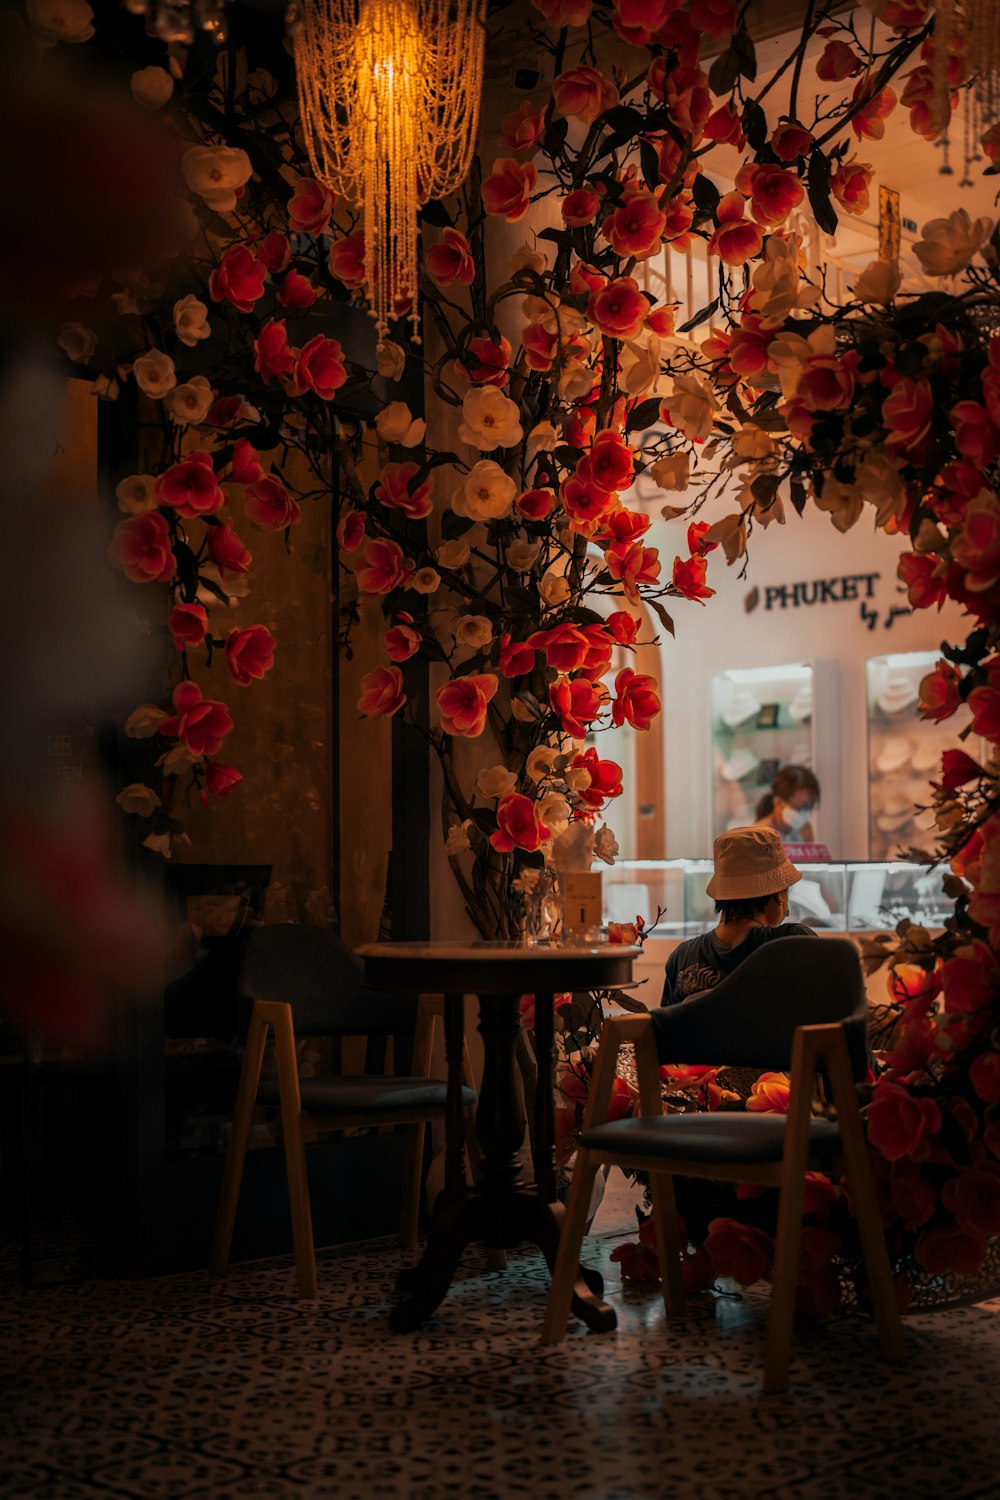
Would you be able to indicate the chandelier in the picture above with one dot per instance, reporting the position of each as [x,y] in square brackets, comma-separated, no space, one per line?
[389,100]
[179,21]
[967,43]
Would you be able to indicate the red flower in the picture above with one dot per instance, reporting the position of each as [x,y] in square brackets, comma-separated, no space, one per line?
[583,93]
[924,587]
[957,769]
[190,487]
[517,825]
[631,564]
[943,1247]
[973,1197]
[605,778]
[838,62]
[969,980]
[577,703]
[985,705]
[507,191]
[790,140]
[522,129]
[310,206]
[623,626]
[391,491]
[401,642]
[141,548]
[914,1198]
[319,367]
[297,292]
[238,278]
[739,1251]
[381,693]
[586,504]
[580,207]
[610,462]
[639,20]
[869,122]
[825,384]
[565,646]
[900,1124]
[618,308]
[714,18]
[227,551]
[220,779]
[346,260]
[187,624]
[736,240]
[984,1075]
[462,704]
[689,577]
[250,653]
[697,545]
[535,505]
[351,530]
[200,722]
[636,226]
[275,251]
[245,468]
[850,184]
[486,362]
[450,260]
[269,505]
[383,568]
[687,97]
[773,191]
[272,355]
[976,437]
[516,657]
[820,1195]
[723,126]
[977,546]
[539,346]
[907,412]
[636,699]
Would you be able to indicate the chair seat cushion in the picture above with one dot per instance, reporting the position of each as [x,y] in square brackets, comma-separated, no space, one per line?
[368,1094]
[706,1138]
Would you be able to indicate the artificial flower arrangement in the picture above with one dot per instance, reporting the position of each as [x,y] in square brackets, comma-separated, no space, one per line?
[512,562]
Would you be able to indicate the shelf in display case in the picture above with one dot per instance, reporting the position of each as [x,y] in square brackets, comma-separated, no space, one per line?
[761,719]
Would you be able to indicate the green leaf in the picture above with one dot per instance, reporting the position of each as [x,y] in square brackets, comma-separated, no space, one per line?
[700,317]
[724,72]
[644,415]
[705,194]
[625,120]
[797,492]
[746,55]
[555,136]
[819,192]
[649,159]
[754,123]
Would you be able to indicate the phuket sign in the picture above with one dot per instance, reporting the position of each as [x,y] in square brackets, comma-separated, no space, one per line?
[844,588]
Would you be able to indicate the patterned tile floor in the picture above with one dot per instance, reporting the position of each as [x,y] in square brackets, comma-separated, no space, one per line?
[186,1389]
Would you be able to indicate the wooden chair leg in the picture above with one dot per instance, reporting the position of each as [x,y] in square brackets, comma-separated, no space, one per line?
[781,1315]
[413,1161]
[232,1177]
[668,1246]
[568,1255]
[295,1163]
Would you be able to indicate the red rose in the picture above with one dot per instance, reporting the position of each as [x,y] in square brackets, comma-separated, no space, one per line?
[190,487]
[610,463]
[141,548]
[250,653]
[900,1124]
[381,693]
[943,1247]
[227,550]
[269,505]
[391,490]
[462,704]
[635,699]
[450,260]
[297,292]
[346,260]
[517,825]
[577,704]
[310,206]
[689,577]
[736,240]
[618,308]
[187,624]
[220,779]
[238,278]
[200,722]
[583,93]
[272,355]
[535,505]
[739,1251]
[605,778]
[245,468]
[507,191]
[319,367]
[580,207]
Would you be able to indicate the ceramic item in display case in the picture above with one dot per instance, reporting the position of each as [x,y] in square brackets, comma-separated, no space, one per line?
[761,719]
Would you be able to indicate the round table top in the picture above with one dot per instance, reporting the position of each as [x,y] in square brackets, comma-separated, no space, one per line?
[496,967]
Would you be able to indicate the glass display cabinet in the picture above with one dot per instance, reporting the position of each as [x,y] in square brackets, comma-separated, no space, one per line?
[762,718]
[834,897]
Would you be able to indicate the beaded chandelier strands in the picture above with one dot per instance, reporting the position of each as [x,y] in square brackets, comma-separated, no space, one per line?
[967,42]
[389,97]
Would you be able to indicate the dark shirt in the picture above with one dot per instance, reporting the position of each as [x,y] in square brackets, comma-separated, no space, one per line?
[701,962]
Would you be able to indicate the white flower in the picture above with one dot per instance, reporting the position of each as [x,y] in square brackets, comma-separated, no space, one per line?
[77,342]
[395,423]
[778,288]
[235,587]
[879,281]
[106,388]
[488,493]
[159,843]
[672,472]
[490,420]
[189,403]
[60,20]
[191,321]
[843,502]
[878,478]
[605,846]
[139,799]
[788,353]
[154,373]
[554,811]
[390,359]
[178,758]
[752,443]
[496,781]
[126,302]
[541,762]
[948,245]
[541,439]
[453,554]
[457,841]
[554,589]
[526,258]
[135,494]
[577,778]
[641,365]
[527,879]
[576,380]
[143,722]
[526,709]
[691,407]
[425,581]
[215,173]
[152,87]
[522,555]
[731,533]
[473,630]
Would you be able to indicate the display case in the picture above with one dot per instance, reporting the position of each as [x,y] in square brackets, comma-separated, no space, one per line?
[762,718]
[834,897]
[904,751]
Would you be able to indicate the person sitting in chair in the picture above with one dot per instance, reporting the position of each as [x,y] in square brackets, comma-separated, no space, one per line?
[750,885]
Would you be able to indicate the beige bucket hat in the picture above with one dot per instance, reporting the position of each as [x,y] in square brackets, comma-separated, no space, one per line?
[750,862]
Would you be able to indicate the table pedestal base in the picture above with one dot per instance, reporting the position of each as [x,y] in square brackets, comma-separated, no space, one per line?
[459,1221]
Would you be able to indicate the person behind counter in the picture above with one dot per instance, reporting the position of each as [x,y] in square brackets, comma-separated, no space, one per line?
[750,884]
[788,806]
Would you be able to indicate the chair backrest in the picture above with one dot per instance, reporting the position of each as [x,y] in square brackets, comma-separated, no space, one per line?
[313,970]
[748,1020]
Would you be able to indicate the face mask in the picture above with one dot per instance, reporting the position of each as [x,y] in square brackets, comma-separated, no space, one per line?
[793,818]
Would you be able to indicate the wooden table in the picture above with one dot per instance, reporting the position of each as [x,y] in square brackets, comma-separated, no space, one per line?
[502,1210]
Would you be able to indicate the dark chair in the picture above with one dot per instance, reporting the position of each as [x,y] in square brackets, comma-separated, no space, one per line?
[801,1003]
[304,981]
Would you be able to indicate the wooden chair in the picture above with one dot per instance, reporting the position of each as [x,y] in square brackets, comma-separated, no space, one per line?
[800,1001]
[304,981]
